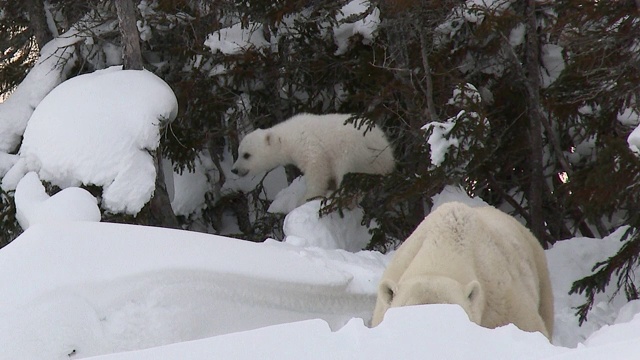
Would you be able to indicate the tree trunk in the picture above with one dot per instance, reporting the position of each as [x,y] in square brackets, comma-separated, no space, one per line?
[38,22]
[431,107]
[158,212]
[132,57]
[536,181]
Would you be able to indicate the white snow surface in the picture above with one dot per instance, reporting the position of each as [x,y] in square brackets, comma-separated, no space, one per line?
[553,64]
[90,289]
[452,193]
[304,227]
[288,198]
[99,129]
[190,187]
[33,205]
[634,140]
[439,140]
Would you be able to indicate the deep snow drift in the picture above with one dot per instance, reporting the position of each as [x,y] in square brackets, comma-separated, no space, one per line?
[85,289]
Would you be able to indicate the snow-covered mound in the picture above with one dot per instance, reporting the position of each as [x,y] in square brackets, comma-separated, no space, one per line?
[98,129]
[569,261]
[96,288]
[421,332]
[33,205]
[304,227]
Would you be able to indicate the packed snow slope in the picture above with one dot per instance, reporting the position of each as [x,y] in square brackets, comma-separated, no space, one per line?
[81,289]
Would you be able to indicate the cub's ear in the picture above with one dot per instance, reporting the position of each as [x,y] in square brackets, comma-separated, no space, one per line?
[473,291]
[387,290]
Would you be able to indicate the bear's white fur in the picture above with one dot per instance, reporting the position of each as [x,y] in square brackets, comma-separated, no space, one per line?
[479,258]
[323,147]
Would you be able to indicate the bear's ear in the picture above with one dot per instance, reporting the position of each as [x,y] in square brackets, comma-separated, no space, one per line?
[387,291]
[473,291]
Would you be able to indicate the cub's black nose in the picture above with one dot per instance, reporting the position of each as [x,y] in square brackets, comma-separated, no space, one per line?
[235,171]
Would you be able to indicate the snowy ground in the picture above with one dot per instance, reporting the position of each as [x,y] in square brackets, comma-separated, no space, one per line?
[81,289]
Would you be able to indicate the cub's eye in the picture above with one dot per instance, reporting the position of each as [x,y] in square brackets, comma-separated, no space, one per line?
[246,156]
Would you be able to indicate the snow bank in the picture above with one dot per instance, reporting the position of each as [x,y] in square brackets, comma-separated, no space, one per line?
[573,259]
[304,227]
[421,332]
[97,288]
[98,129]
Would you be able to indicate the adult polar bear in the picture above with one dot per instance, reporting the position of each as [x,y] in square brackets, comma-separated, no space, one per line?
[479,258]
[323,147]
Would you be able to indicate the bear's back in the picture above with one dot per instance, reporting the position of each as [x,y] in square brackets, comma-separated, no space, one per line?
[482,244]
[334,124]
[510,261]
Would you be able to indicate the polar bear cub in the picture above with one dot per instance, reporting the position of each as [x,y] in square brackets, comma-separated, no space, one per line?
[479,258]
[323,147]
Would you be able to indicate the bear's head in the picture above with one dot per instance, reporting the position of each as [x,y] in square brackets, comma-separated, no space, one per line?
[258,152]
[431,289]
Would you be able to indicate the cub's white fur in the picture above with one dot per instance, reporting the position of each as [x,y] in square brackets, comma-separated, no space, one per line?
[323,147]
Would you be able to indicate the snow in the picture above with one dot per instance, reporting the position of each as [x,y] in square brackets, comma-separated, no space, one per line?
[236,39]
[390,340]
[439,140]
[634,140]
[99,129]
[304,227]
[90,289]
[93,287]
[7,161]
[189,188]
[629,117]
[35,206]
[571,260]
[455,193]
[553,64]
[288,198]
[517,35]
[365,27]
